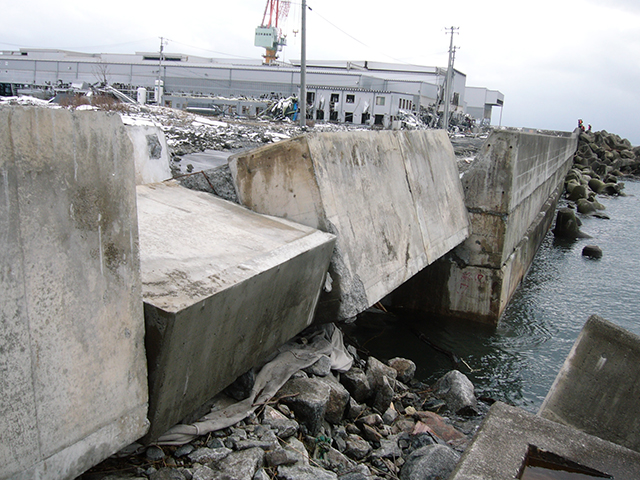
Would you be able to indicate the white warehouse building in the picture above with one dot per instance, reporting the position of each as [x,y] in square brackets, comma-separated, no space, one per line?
[372,93]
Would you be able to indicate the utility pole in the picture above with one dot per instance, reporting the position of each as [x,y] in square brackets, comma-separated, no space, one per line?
[303,66]
[159,86]
[449,80]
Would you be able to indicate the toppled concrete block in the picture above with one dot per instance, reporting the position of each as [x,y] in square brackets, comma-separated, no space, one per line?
[393,199]
[73,384]
[223,288]
[598,387]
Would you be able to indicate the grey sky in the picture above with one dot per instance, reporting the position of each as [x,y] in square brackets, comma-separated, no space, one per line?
[555,61]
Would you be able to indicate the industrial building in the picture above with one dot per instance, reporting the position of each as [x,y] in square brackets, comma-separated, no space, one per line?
[369,93]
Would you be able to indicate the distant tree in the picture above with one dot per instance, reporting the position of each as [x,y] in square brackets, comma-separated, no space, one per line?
[102,71]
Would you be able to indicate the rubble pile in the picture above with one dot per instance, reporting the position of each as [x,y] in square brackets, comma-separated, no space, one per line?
[374,421]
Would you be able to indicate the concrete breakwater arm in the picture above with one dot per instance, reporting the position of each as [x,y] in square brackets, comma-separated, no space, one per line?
[511,192]
[393,199]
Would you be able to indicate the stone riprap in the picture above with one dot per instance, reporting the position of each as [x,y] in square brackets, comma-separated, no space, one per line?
[598,387]
[393,199]
[223,288]
[511,191]
[73,384]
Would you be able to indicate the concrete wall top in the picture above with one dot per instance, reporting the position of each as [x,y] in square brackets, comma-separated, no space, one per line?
[511,165]
[601,376]
[194,244]
[73,384]
[394,200]
[508,435]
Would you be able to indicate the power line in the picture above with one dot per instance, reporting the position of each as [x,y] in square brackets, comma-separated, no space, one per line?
[356,39]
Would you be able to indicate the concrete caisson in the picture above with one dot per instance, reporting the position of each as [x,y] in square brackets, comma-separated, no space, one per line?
[73,384]
[511,192]
[223,288]
[393,199]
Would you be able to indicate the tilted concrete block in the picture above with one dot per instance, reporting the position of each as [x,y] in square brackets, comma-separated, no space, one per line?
[223,288]
[73,385]
[598,387]
[393,199]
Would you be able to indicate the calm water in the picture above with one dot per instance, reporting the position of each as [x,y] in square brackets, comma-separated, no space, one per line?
[518,361]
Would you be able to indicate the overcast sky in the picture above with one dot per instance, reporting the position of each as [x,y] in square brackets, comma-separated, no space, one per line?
[554,61]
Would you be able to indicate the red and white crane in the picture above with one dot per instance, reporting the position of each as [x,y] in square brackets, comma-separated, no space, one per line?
[269,34]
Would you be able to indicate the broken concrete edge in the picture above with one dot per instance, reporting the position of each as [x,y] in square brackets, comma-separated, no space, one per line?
[599,376]
[150,153]
[500,446]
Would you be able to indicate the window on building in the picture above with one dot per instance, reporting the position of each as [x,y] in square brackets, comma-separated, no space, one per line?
[320,115]
[333,115]
[380,100]
[348,117]
[365,118]
[335,97]
[378,120]
[351,98]
[456,99]
[311,98]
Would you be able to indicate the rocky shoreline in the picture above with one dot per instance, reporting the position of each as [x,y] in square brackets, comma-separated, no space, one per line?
[374,421]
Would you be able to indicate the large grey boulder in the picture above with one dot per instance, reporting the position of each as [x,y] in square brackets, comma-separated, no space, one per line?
[404,368]
[242,464]
[433,462]
[357,383]
[338,399]
[305,472]
[458,391]
[308,399]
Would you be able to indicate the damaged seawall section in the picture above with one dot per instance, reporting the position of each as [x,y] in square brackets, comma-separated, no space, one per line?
[223,289]
[393,199]
[511,192]
[73,383]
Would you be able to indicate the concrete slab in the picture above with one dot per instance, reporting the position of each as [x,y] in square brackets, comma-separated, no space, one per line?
[393,199]
[500,447]
[73,385]
[598,387]
[223,288]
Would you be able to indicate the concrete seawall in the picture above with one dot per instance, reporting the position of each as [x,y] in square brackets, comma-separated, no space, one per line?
[73,383]
[393,199]
[511,192]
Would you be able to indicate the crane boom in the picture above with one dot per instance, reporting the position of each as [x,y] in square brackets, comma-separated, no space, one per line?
[268,34]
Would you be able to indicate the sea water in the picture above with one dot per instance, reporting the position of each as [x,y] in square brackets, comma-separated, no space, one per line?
[518,361]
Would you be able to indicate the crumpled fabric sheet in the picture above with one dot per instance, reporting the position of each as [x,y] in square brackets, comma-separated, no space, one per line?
[301,352]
